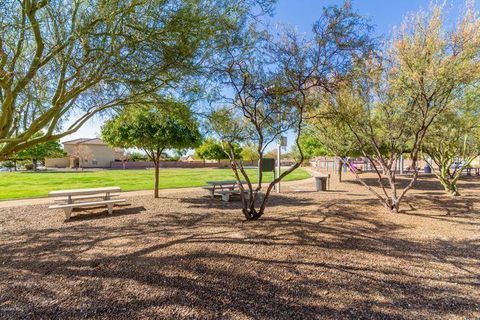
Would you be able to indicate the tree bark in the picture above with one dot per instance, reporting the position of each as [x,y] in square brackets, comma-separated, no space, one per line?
[340,167]
[157,176]
[450,186]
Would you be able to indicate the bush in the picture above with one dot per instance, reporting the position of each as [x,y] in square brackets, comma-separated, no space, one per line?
[29,166]
[8,164]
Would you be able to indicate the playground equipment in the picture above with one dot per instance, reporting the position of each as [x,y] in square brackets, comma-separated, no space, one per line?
[353,167]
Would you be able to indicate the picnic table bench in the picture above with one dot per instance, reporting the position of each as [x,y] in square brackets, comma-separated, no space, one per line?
[225,188]
[218,186]
[72,199]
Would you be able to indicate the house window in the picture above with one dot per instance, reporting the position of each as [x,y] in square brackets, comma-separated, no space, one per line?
[94,162]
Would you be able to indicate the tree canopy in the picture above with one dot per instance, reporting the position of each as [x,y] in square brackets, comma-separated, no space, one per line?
[38,152]
[212,149]
[453,141]
[268,80]
[168,124]
[62,62]
[392,99]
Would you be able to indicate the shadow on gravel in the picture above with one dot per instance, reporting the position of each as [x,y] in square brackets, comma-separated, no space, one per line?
[424,183]
[92,213]
[322,263]
[274,200]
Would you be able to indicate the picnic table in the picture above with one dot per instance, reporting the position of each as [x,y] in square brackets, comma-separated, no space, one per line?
[73,198]
[225,188]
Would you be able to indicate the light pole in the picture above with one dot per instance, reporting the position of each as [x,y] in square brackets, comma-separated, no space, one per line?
[281,143]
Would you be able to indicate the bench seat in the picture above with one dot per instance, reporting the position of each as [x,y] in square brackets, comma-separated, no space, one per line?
[70,206]
[212,189]
[227,193]
[95,196]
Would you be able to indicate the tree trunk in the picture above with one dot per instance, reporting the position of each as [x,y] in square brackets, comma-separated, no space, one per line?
[450,186]
[157,177]
[34,163]
[340,167]
[251,214]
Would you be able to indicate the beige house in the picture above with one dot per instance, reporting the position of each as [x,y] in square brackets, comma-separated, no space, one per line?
[86,153]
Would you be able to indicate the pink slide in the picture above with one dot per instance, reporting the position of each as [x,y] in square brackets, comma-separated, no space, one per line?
[353,168]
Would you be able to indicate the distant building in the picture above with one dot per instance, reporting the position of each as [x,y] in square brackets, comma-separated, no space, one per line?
[188,158]
[86,153]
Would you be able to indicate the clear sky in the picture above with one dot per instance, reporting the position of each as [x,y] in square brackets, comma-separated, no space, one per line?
[383,14]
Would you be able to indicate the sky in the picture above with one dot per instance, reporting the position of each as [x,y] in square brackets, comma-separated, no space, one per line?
[384,15]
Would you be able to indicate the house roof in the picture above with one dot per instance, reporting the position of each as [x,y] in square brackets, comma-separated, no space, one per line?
[95,141]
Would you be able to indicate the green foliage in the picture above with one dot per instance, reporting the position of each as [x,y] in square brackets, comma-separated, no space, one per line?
[312,147]
[137,156]
[166,125]
[211,149]
[38,152]
[75,59]
[455,136]
[9,164]
[249,153]
[391,99]
[228,126]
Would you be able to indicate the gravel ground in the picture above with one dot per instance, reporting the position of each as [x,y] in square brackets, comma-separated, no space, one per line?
[314,255]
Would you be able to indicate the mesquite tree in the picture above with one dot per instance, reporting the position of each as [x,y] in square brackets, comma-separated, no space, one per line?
[155,127]
[455,137]
[69,60]
[270,83]
[389,103]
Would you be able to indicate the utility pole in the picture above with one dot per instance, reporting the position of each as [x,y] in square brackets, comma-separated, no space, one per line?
[401,164]
[279,154]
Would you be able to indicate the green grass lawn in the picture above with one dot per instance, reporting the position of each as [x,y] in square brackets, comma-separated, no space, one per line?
[32,184]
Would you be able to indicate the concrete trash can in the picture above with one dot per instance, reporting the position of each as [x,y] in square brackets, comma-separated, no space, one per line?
[321,183]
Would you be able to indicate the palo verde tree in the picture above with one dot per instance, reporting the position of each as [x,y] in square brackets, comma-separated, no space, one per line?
[154,127]
[389,103]
[62,62]
[454,137]
[270,81]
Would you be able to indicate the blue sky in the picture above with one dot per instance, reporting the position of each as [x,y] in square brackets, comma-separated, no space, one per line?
[383,14]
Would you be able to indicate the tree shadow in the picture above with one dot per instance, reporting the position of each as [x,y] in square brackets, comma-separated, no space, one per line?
[195,259]
[93,213]
[424,183]
[235,202]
